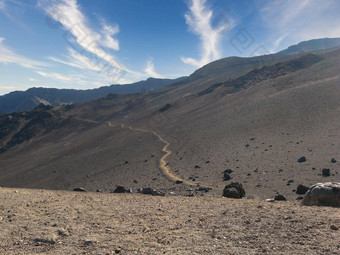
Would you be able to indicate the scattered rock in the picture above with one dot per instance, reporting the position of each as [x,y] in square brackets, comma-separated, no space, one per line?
[179,182]
[79,189]
[234,190]
[150,191]
[302,159]
[333,160]
[326,172]
[204,189]
[323,194]
[299,198]
[334,227]
[228,171]
[63,232]
[280,197]
[226,177]
[45,240]
[88,242]
[197,167]
[120,189]
[157,193]
[301,189]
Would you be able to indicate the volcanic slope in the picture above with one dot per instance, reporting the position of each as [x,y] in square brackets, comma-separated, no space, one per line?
[257,121]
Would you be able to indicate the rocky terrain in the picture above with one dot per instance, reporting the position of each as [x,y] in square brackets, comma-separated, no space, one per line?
[61,222]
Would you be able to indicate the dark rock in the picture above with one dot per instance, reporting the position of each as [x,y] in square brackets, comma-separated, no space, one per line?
[299,198]
[302,159]
[280,197]
[99,190]
[44,240]
[179,182]
[197,167]
[146,191]
[334,227]
[234,190]
[323,194]
[120,189]
[157,193]
[204,189]
[333,160]
[291,181]
[301,189]
[226,177]
[228,171]
[326,172]
[79,189]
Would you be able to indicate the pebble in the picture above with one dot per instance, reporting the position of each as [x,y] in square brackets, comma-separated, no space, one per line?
[333,227]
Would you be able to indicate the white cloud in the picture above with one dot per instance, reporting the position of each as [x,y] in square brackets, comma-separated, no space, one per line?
[9,56]
[292,21]
[77,60]
[68,13]
[107,36]
[150,70]
[199,20]
[55,76]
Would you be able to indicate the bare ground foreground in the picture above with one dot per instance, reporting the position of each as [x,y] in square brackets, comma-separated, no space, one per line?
[62,222]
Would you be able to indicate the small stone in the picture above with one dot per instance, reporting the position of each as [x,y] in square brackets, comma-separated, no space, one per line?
[280,197]
[301,189]
[226,177]
[271,200]
[179,182]
[333,160]
[197,167]
[120,189]
[326,172]
[302,159]
[333,227]
[79,189]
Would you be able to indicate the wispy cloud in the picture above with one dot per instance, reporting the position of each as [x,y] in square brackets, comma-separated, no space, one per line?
[107,39]
[292,21]
[9,56]
[68,13]
[55,76]
[199,19]
[150,70]
[2,5]
[77,60]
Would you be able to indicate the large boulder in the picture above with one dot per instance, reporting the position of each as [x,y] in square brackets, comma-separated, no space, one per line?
[324,194]
[234,190]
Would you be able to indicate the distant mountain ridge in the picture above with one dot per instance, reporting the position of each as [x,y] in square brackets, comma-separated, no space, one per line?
[31,98]
[312,45]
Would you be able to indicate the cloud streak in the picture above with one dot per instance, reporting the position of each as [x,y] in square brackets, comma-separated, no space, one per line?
[69,15]
[200,19]
[291,21]
[9,56]
[150,70]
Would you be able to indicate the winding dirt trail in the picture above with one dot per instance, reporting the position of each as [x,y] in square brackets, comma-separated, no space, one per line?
[163,165]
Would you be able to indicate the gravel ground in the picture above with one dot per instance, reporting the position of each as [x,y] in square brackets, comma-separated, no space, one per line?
[61,222]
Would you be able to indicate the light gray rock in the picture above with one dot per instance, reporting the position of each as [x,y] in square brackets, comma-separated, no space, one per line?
[324,194]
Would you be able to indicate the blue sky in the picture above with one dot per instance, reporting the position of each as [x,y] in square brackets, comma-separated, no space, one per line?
[86,43]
